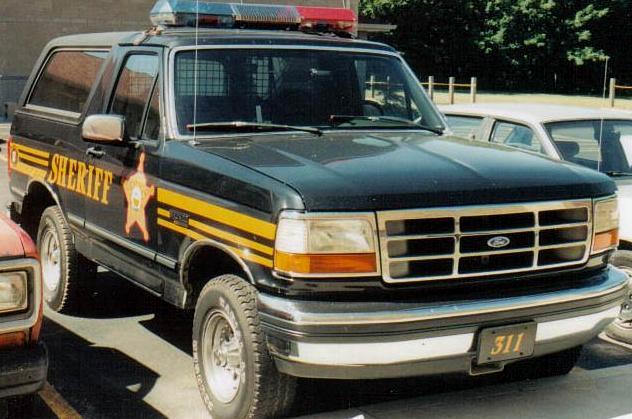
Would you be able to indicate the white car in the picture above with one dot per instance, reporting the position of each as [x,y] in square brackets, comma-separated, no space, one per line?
[597,138]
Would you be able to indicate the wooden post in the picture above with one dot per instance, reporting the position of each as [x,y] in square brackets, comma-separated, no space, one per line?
[451,90]
[613,83]
[431,87]
[473,90]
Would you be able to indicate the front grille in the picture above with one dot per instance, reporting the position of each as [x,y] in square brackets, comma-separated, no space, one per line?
[461,242]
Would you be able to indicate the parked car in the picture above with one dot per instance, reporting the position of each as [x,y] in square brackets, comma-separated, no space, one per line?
[23,357]
[293,186]
[600,139]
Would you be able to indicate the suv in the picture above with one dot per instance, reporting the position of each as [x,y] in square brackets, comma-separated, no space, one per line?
[23,357]
[299,191]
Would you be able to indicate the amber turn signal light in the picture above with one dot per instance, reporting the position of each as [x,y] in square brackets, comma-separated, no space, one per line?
[606,240]
[353,263]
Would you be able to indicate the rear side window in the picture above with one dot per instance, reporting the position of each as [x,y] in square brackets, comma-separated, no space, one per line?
[466,126]
[516,135]
[134,86]
[67,80]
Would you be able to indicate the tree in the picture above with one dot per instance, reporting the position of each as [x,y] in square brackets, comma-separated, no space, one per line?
[520,44]
[540,41]
[437,36]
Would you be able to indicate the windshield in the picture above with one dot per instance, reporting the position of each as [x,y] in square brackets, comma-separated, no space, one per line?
[606,146]
[298,88]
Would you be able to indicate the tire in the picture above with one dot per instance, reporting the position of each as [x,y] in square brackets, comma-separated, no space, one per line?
[64,271]
[559,363]
[251,387]
[21,406]
[621,328]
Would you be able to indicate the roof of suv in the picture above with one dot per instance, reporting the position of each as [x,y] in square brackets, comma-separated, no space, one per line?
[174,37]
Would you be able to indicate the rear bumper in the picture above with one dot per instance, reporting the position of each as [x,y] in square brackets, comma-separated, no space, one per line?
[351,340]
[23,370]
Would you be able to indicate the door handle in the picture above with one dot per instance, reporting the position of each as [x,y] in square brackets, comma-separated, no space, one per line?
[95,152]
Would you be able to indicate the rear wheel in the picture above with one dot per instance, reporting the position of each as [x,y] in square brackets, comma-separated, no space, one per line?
[236,375]
[65,272]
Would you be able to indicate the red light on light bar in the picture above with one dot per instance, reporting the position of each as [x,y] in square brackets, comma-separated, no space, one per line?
[337,19]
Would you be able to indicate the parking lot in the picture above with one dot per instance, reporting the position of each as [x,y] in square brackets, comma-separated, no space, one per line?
[129,355]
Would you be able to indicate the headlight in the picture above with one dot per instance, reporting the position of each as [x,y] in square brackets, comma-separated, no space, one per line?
[13,291]
[326,244]
[606,224]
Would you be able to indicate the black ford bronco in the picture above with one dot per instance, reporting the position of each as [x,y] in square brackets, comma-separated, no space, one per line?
[301,193]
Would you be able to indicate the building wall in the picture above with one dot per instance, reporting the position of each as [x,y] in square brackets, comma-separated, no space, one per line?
[27,25]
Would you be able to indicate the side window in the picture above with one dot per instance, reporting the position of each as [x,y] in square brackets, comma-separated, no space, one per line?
[67,80]
[384,90]
[466,126]
[151,131]
[133,88]
[516,135]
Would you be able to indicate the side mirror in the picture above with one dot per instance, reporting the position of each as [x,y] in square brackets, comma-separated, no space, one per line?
[104,129]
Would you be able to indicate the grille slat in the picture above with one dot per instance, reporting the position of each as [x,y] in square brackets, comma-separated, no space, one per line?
[483,240]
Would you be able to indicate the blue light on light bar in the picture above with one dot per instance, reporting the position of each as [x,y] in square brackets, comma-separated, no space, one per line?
[225,15]
[186,12]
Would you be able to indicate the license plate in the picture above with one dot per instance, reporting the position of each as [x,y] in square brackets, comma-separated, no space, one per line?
[506,342]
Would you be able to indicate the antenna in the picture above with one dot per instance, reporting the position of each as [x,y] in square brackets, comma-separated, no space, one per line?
[195,69]
[605,80]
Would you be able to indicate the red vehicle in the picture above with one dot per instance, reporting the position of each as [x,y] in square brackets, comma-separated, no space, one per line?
[23,357]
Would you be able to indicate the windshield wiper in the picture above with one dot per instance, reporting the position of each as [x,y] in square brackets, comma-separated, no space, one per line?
[250,126]
[341,119]
[615,173]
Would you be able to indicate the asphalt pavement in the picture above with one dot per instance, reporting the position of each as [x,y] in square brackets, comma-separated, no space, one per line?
[127,354]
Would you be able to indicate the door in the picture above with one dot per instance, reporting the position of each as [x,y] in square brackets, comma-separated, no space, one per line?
[122,223]
[48,145]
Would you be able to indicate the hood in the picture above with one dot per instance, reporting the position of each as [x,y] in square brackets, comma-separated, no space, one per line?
[349,171]
[10,239]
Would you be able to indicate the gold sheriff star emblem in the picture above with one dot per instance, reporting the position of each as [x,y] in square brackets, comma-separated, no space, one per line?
[138,193]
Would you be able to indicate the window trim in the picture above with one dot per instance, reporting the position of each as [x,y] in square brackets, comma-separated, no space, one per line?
[56,113]
[155,86]
[114,87]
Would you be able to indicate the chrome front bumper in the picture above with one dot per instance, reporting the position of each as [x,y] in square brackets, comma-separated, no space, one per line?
[377,339]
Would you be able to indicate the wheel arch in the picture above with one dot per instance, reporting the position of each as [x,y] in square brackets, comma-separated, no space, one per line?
[38,197]
[625,244]
[206,259]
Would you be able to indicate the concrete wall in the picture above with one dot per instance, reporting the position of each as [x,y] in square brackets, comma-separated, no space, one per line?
[27,25]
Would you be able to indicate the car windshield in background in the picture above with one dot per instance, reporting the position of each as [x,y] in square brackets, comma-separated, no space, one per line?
[297,88]
[603,145]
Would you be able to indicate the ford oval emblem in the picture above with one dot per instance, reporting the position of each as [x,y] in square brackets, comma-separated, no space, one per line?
[498,242]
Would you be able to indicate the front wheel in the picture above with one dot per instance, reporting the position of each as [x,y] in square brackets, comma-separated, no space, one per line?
[236,375]
[65,272]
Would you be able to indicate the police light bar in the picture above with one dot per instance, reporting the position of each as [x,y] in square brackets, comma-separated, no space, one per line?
[237,15]
[327,19]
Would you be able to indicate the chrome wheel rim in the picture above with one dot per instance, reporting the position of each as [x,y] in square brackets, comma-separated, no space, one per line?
[223,363]
[50,253]
[626,309]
